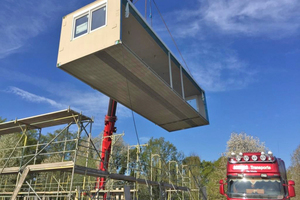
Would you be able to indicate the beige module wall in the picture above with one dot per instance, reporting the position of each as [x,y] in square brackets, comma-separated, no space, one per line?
[79,40]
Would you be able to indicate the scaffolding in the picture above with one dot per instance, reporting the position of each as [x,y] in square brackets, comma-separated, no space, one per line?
[63,166]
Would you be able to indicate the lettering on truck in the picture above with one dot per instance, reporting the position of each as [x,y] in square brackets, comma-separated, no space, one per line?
[244,167]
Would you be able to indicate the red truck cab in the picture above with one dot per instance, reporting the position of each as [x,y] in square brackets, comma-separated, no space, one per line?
[256,175]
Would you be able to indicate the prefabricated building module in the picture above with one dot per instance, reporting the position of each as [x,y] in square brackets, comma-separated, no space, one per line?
[110,46]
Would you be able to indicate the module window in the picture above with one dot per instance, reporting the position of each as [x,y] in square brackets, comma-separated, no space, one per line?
[98,18]
[81,26]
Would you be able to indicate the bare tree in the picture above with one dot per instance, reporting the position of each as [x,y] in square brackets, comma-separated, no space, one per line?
[244,143]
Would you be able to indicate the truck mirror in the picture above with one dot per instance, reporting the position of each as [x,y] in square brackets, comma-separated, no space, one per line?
[291,189]
[222,187]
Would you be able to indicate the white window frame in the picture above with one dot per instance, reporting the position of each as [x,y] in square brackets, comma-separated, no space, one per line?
[74,25]
[88,12]
[91,19]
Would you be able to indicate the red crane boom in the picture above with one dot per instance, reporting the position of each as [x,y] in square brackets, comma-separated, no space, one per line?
[109,129]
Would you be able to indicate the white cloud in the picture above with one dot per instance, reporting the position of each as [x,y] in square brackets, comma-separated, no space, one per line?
[217,69]
[273,19]
[260,17]
[144,140]
[22,20]
[215,65]
[35,98]
[90,103]
[80,97]
[217,77]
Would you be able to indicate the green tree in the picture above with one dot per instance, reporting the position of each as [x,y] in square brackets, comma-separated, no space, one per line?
[206,168]
[118,156]
[2,120]
[117,159]
[218,173]
[294,170]
[13,151]
[24,147]
[61,148]
[193,171]
[165,152]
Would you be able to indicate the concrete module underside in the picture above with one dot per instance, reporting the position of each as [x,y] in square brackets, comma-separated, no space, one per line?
[120,76]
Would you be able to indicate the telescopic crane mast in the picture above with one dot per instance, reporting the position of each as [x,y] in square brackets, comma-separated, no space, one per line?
[109,129]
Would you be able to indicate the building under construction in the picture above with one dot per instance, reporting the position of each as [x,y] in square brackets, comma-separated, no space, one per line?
[66,165]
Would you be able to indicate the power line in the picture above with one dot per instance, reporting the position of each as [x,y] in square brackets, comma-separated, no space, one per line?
[134,123]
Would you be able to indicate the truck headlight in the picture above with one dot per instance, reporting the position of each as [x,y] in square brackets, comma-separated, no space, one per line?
[263,157]
[254,157]
[246,158]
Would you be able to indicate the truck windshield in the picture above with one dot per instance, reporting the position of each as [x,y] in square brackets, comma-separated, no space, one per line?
[255,188]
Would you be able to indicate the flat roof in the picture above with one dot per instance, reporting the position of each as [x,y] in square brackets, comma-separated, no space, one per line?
[41,121]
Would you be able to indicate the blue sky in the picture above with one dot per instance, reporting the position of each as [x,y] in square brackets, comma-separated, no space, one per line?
[244,54]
